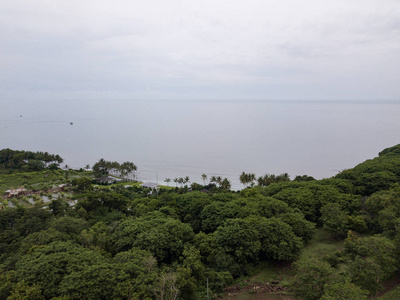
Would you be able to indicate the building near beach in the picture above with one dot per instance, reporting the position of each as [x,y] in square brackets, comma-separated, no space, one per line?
[16,192]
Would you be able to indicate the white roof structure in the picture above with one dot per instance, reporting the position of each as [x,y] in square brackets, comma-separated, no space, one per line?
[16,192]
[149,185]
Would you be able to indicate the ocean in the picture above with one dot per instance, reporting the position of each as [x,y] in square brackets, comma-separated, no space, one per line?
[168,139]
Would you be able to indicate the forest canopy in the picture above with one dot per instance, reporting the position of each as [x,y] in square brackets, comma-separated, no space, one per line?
[16,160]
[128,242]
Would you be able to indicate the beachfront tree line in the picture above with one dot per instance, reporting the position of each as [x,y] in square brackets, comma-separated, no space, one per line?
[215,181]
[15,160]
[124,170]
[124,243]
[247,179]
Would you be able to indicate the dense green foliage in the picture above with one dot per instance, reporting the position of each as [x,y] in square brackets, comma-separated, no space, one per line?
[103,167]
[375,174]
[129,243]
[28,161]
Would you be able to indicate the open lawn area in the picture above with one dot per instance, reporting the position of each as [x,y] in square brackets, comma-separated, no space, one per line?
[38,180]
[321,244]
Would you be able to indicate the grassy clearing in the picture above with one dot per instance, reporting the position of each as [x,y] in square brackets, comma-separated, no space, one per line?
[131,183]
[118,185]
[278,272]
[270,273]
[37,180]
[321,244]
[44,180]
[41,181]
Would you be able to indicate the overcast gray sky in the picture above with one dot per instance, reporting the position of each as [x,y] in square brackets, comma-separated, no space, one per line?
[203,49]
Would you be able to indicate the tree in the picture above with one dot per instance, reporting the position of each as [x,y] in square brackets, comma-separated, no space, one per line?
[243,179]
[268,179]
[384,208]
[82,184]
[66,168]
[167,180]
[190,206]
[22,291]
[101,168]
[304,178]
[181,181]
[300,226]
[47,266]
[204,178]
[163,236]
[192,260]
[97,281]
[96,236]
[186,180]
[312,275]
[167,289]
[36,165]
[34,219]
[218,180]
[213,179]
[373,260]
[127,168]
[58,207]
[239,239]
[28,161]
[226,184]
[367,273]
[334,219]
[214,215]
[247,179]
[277,238]
[344,290]
[142,269]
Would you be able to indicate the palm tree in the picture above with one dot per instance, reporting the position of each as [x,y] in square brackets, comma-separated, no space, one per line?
[186,179]
[204,177]
[218,180]
[260,181]
[213,179]
[243,179]
[226,184]
[127,168]
[283,177]
[167,180]
[246,178]
[176,180]
[116,169]
[252,178]
[66,172]
[59,159]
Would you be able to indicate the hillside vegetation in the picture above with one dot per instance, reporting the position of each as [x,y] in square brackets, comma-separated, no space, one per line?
[336,238]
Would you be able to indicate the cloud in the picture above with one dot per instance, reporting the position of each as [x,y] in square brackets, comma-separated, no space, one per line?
[275,49]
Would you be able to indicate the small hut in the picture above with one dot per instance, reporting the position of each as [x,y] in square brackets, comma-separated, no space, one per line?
[150,185]
[16,192]
[105,180]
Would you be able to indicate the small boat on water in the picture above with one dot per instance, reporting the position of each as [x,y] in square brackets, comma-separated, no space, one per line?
[71,123]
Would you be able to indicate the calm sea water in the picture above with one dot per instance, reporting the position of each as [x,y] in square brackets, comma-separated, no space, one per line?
[178,138]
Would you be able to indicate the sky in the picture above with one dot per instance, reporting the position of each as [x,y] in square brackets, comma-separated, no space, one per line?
[208,49]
